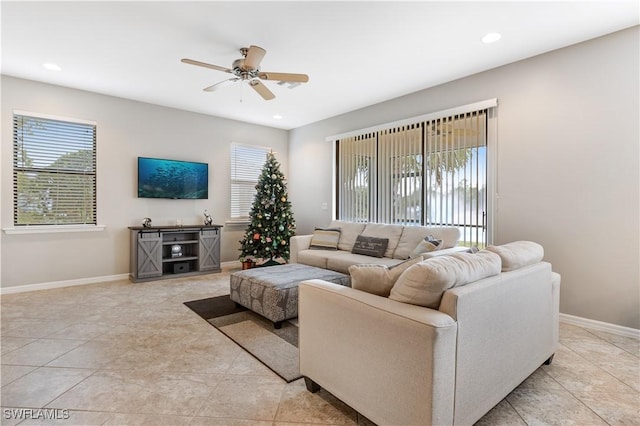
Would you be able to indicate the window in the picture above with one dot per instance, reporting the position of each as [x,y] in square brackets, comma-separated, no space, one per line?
[246,164]
[54,171]
[431,171]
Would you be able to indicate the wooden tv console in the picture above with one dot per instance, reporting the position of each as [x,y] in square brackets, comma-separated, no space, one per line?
[151,251]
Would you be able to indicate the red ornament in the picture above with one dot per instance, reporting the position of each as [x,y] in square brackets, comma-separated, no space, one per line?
[256,236]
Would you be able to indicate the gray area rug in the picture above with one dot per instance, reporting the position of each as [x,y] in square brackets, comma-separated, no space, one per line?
[275,348]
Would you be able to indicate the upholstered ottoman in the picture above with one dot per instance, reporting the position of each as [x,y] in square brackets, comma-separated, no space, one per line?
[273,291]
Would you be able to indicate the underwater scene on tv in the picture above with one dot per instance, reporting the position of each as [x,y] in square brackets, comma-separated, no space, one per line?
[159,178]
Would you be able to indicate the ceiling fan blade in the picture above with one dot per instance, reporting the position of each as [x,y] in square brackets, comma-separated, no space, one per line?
[204,64]
[283,76]
[254,57]
[220,84]
[262,90]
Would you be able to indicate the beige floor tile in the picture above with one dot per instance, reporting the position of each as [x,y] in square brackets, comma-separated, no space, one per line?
[93,354]
[103,391]
[155,362]
[59,417]
[41,386]
[40,352]
[213,421]
[552,407]
[146,420]
[180,394]
[244,397]
[629,344]
[13,372]
[575,373]
[299,405]
[615,409]
[8,344]
[32,327]
[82,330]
[502,414]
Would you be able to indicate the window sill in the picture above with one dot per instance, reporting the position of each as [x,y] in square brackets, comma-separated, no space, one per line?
[50,229]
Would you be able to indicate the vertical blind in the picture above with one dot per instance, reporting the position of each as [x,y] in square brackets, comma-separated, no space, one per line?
[246,165]
[54,171]
[431,172]
[357,161]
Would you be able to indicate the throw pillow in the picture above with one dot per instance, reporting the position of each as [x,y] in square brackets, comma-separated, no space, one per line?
[370,246]
[325,239]
[425,246]
[517,254]
[378,279]
[424,283]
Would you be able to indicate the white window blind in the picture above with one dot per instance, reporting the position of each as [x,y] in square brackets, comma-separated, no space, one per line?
[356,177]
[54,171]
[430,172]
[247,162]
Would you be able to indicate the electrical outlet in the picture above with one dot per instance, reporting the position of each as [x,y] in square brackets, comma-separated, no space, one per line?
[324,206]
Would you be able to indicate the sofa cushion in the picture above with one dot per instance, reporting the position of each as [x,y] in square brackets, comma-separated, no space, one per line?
[341,262]
[427,245]
[349,231]
[517,254]
[424,283]
[380,230]
[378,279]
[318,258]
[325,239]
[412,235]
[370,246]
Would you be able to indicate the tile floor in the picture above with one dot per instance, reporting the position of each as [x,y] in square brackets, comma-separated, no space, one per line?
[118,353]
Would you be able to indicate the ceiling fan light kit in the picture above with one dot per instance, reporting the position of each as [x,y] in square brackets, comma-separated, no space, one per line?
[247,68]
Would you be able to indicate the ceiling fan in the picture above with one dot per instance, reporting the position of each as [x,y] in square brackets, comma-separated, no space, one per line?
[247,68]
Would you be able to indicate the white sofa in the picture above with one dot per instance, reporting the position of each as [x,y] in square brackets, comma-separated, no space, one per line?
[402,364]
[402,241]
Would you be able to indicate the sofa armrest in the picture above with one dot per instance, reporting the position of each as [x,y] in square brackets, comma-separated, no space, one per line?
[507,329]
[297,243]
[390,361]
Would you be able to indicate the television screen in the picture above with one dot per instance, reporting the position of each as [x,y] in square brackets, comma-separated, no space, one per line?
[158,178]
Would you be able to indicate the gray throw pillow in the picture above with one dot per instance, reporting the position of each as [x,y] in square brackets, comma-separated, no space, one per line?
[370,246]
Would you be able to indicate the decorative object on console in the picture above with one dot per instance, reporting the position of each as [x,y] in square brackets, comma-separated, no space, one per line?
[271,219]
[146,222]
[208,220]
[370,246]
[176,250]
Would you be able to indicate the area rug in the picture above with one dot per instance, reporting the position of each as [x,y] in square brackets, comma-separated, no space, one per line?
[275,348]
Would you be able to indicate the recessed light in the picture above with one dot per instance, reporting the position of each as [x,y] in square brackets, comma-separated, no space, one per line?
[491,38]
[51,67]
[277,117]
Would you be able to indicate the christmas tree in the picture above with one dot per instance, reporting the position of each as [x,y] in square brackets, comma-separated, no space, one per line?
[272,223]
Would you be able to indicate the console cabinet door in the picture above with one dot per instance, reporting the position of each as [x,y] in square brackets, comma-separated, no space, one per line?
[149,254]
[209,250]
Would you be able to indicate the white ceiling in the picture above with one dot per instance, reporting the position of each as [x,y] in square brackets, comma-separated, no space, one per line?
[355,53]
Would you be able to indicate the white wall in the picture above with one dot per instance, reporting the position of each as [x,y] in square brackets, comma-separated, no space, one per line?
[568,164]
[125,130]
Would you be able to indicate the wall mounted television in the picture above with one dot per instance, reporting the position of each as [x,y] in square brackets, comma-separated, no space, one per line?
[162,178]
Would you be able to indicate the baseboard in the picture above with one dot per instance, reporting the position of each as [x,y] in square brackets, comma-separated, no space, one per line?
[600,326]
[225,266]
[60,284]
